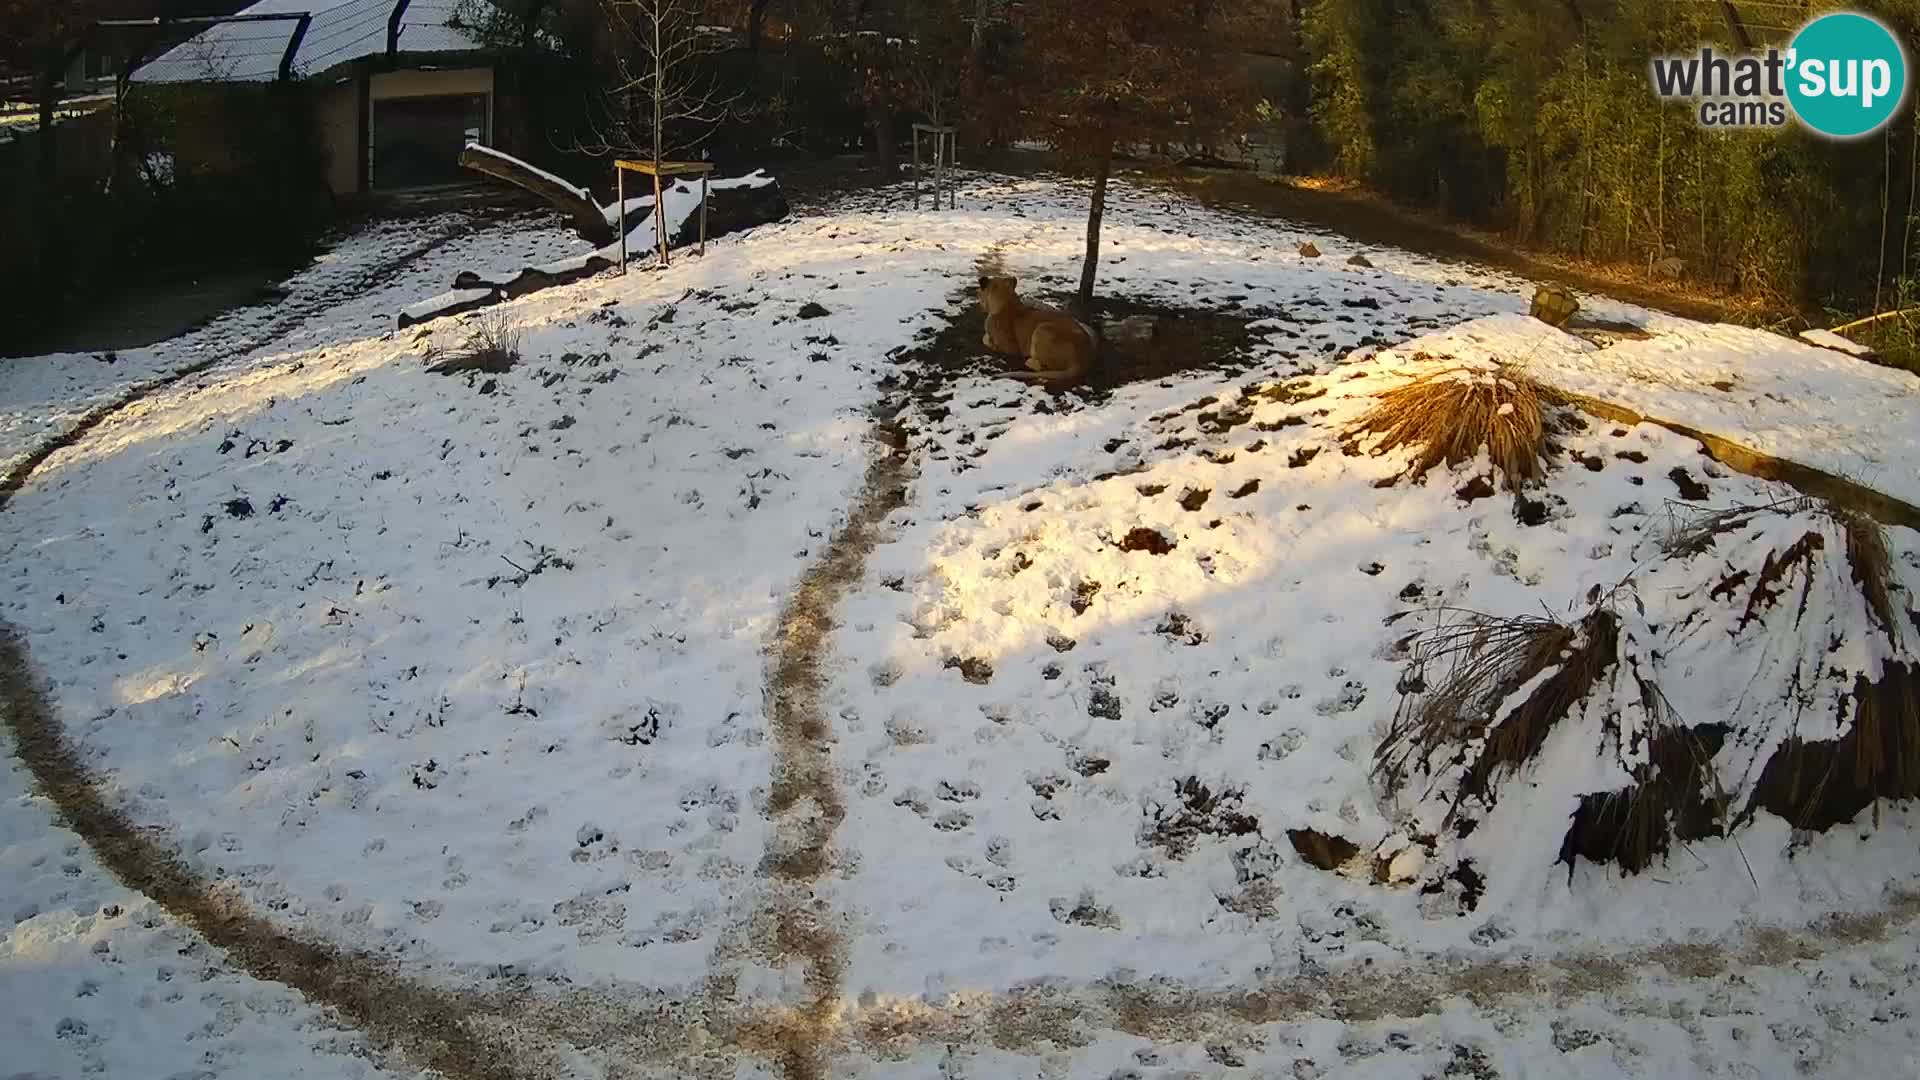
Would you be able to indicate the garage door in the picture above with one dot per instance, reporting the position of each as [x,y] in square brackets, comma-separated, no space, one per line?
[417,140]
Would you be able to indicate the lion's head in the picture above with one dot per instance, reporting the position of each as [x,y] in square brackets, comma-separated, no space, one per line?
[997,293]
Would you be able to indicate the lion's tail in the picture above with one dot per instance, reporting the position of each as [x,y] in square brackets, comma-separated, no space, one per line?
[1093,333]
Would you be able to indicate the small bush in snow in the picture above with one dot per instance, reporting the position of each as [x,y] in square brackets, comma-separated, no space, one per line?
[493,347]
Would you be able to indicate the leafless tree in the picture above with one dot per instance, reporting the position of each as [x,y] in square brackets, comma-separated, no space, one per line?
[665,99]
[932,78]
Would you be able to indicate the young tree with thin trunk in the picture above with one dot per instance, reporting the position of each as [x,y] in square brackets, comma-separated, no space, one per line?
[666,98]
[1096,78]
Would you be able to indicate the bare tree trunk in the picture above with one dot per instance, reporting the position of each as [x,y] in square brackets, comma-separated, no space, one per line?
[1886,196]
[1579,19]
[659,87]
[880,117]
[756,19]
[52,256]
[530,24]
[1737,28]
[1660,191]
[1091,265]
[1586,136]
[1913,182]
[982,14]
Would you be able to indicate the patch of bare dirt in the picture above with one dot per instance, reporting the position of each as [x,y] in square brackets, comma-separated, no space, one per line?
[1151,541]
[1188,339]
[805,803]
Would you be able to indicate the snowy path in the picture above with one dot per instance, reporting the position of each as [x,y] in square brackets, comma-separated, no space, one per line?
[624,715]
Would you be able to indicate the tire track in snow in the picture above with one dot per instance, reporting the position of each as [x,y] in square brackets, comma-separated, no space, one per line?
[1061,1013]
[464,1035]
[805,802]
[510,1034]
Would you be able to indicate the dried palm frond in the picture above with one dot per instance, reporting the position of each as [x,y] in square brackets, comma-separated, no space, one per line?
[1482,660]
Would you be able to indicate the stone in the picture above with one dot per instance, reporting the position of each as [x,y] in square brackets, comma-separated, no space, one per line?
[1554,305]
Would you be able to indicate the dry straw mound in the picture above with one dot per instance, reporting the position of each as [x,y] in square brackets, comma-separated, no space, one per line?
[1763,658]
[1446,416]
[1817,773]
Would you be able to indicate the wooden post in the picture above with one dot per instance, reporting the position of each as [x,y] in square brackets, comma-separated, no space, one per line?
[663,173]
[659,219]
[916,171]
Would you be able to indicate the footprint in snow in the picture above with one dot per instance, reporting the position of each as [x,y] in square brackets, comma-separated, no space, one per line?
[1352,695]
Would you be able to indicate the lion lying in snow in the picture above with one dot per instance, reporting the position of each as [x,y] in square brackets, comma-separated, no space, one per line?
[1058,348]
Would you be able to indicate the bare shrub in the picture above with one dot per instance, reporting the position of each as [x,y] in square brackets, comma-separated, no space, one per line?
[492,347]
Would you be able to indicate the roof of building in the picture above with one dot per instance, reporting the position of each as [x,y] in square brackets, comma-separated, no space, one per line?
[340,30]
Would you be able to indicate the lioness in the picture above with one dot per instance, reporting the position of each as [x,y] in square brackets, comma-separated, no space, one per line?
[1058,348]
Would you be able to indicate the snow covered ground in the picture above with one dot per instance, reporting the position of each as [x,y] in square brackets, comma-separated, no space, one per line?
[1815,405]
[99,982]
[351,290]
[471,671]
[1105,746]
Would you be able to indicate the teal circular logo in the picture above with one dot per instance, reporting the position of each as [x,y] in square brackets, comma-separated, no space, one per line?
[1846,75]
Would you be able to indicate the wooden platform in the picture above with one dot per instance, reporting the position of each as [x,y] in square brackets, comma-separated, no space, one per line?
[657,170]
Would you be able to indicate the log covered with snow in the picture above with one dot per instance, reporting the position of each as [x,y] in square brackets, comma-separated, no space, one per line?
[734,204]
[534,278]
[572,200]
[460,299]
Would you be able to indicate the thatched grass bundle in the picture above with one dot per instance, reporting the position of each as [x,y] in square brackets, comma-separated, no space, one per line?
[1794,624]
[1463,672]
[1872,564]
[1697,532]
[1675,794]
[1456,724]
[1446,416]
[1819,784]
[1869,559]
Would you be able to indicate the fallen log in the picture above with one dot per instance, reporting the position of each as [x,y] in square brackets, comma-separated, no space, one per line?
[1873,320]
[1881,507]
[456,302]
[585,214]
[733,205]
[532,279]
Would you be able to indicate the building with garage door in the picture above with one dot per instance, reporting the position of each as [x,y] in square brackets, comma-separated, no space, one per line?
[398,87]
